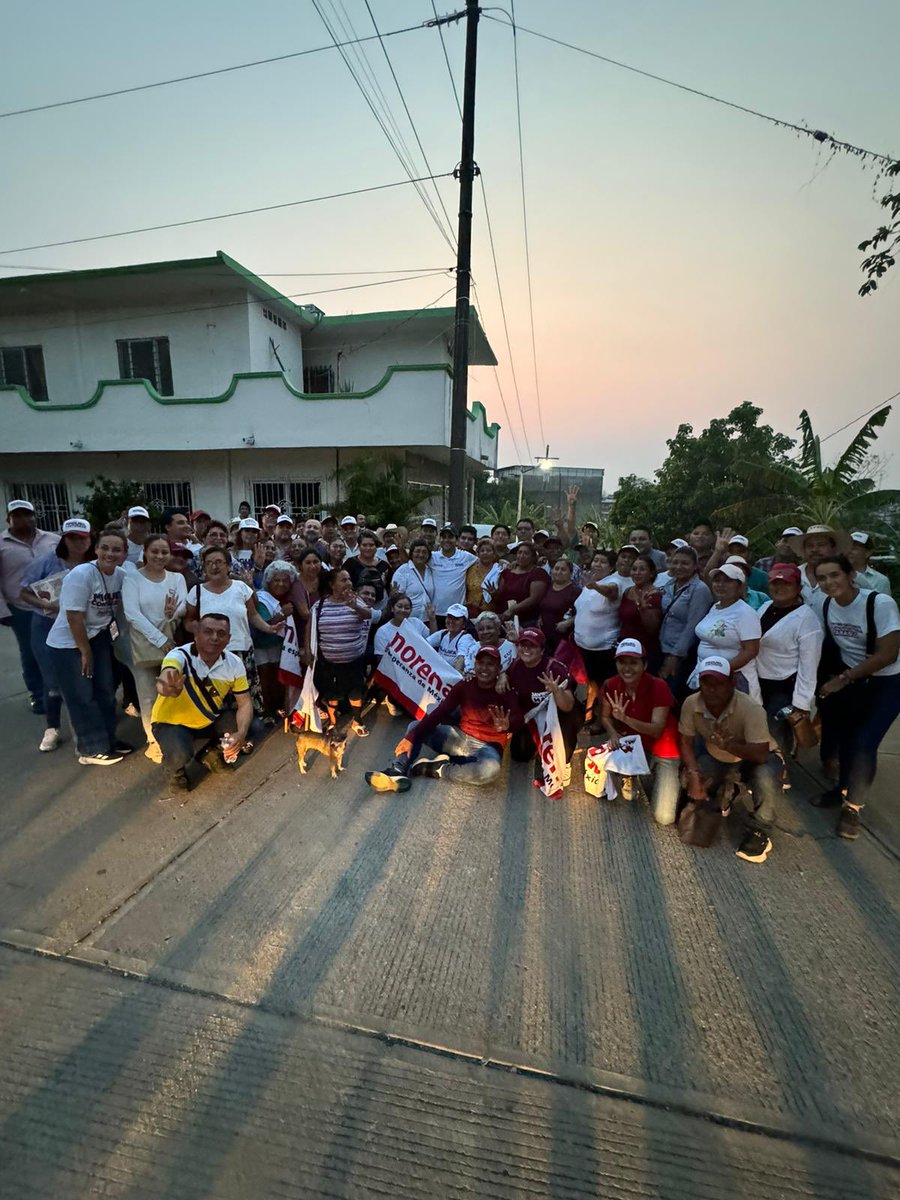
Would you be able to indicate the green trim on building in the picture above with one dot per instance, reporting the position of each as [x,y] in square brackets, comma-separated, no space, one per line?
[401,316]
[104,384]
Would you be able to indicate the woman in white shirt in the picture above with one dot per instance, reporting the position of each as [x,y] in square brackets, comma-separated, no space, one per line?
[860,697]
[416,579]
[154,600]
[789,651]
[730,628]
[80,644]
[399,609]
[490,632]
[596,630]
[236,600]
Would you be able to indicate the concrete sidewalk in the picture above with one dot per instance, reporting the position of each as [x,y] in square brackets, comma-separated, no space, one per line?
[577,1003]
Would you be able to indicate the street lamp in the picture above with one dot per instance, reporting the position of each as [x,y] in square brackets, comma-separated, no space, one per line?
[543,462]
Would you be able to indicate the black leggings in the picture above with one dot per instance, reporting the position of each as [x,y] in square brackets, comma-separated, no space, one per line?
[600,665]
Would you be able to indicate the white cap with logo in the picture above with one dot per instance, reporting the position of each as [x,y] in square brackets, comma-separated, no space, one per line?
[249,523]
[629,648]
[732,572]
[430,523]
[137,510]
[457,610]
[715,664]
[284,519]
[739,540]
[20,506]
[348,520]
[76,525]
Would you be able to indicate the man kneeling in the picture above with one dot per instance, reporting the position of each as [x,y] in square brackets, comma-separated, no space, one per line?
[468,753]
[194,684]
[737,745]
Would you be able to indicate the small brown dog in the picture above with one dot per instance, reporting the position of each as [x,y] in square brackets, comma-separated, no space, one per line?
[330,744]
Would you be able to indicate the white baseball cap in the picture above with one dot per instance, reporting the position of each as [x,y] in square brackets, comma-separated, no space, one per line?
[457,610]
[792,531]
[629,648]
[20,505]
[348,521]
[76,525]
[430,522]
[249,523]
[542,533]
[862,539]
[284,519]
[138,510]
[715,664]
[739,540]
[732,571]
[388,549]
[739,562]
[679,544]
[273,508]
[390,525]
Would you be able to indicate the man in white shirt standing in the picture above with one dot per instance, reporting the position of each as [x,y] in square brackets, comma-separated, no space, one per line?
[859,551]
[20,544]
[350,534]
[138,531]
[449,565]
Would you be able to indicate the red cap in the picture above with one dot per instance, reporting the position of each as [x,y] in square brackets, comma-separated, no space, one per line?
[491,650]
[181,550]
[198,512]
[532,637]
[789,572]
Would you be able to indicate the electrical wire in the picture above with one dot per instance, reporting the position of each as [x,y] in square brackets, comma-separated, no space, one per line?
[266,274]
[99,237]
[512,365]
[868,412]
[175,312]
[412,316]
[409,116]
[440,30]
[407,167]
[144,87]
[537,385]
[817,134]
[509,425]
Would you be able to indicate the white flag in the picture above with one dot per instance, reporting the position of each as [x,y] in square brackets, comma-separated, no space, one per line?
[413,673]
[551,749]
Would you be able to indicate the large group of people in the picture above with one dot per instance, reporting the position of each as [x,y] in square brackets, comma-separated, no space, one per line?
[711,659]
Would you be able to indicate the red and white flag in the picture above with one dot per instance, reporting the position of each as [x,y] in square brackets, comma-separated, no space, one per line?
[413,673]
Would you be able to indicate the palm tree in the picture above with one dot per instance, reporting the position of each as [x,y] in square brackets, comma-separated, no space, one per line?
[379,488]
[802,491]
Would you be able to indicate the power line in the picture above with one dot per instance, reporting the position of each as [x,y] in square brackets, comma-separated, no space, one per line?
[880,404]
[440,30]
[509,424]
[537,385]
[412,316]
[144,87]
[266,274]
[175,312]
[817,134]
[412,123]
[407,167]
[98,237]
[512,365]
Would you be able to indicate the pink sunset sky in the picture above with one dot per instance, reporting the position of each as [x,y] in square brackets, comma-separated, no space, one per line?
[685,256]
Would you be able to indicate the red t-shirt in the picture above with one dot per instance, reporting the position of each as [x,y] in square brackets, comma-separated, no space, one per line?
[651,693]
[526,681]
[631,625]
[473,702]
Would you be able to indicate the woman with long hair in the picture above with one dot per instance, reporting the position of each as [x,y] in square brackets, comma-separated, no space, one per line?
[76,546]
[154,599]
[640,611]
[305,590]
[685,602]
[81,650]
[556,612]
[416,578]
[521,587]
[340,626]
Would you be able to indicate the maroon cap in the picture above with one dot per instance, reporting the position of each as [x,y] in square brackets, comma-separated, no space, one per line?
[182,551]
[789,572]
[491,650]
[198,512]
[532,637]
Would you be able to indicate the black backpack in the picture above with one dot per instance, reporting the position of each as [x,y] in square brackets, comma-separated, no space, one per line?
[831,663]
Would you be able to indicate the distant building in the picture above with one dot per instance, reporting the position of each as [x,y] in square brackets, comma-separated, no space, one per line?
[209,386]
[549,487]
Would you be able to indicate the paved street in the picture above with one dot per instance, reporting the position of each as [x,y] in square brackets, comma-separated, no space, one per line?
[295,987]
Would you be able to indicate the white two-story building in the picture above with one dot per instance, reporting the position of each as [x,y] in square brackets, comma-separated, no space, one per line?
[204,383]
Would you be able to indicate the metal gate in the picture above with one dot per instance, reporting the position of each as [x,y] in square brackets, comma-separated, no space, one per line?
[297,498]
[50,500]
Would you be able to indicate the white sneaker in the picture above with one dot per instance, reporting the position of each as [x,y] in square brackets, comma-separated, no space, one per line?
[50,740]
[99,760]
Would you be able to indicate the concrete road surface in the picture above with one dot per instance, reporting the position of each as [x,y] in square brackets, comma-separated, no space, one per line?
[295,987]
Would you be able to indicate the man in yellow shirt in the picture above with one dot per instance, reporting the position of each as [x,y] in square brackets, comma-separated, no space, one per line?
[194,684]
[736,744]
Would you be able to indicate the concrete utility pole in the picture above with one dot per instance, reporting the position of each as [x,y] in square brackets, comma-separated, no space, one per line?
[465,172]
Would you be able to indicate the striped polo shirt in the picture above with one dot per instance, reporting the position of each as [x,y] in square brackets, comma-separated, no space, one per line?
[205,688]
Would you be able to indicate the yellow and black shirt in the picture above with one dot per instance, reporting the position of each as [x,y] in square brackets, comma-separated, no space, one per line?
[205,688]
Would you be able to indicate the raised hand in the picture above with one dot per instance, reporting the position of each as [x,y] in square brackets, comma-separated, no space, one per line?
[617,708]
[170,682]
[500,717]
[572,494]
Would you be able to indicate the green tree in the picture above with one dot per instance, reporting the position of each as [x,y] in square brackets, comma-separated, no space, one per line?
[379,488]
[700,476]
[884,241]
[109,499]
[803,491]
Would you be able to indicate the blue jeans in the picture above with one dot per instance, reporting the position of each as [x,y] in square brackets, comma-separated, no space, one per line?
[40,628]
[177,742]
[471,761]
[854,722]
[91,702]
[664,789]
[31,671]
[764,780]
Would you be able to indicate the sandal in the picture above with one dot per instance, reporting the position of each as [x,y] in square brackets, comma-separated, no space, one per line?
[359,729]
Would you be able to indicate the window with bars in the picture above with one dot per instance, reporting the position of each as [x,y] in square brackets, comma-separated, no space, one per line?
[297,498]
[146,358]
[50,500]
[318,379]
[170,494]
[24,365]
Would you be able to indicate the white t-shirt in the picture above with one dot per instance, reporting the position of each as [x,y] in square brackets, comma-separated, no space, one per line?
[452,646]
[135,552]
[721,632]
[507,655]
[792,646]
[384,633]
[847,624]
[232,603]
[450,578]
[86,590]
[420,590]
[144,602]
[597,618]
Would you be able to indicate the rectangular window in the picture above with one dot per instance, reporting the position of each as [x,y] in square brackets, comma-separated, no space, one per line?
[170,494]
[318,379]
[147,358]
[297,498]
[24,365]
[50,500]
